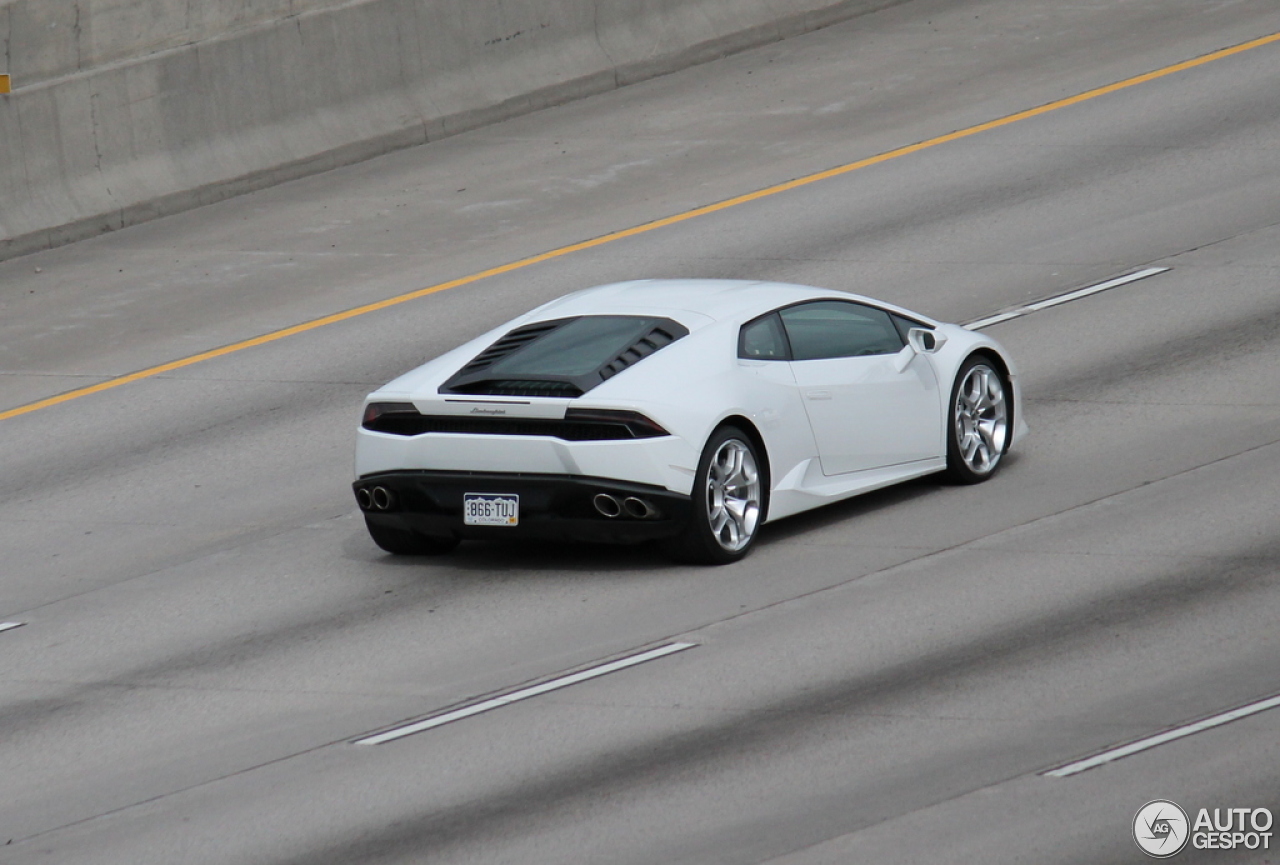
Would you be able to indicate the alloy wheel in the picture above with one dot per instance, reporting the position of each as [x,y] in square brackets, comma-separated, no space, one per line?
[981,419]
[733,495]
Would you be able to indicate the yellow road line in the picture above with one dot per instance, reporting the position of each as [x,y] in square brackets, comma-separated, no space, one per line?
[174,365]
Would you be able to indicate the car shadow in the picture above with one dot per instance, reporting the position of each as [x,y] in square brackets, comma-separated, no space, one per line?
[841,512]
[527,555]
[869,503]
[558,556]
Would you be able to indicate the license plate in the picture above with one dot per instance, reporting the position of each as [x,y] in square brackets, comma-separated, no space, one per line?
[490,509]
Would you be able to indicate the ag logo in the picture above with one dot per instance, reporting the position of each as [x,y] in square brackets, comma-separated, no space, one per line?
[1160,828]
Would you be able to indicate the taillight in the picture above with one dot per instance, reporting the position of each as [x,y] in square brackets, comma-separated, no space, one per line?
[383,411]
[637,424]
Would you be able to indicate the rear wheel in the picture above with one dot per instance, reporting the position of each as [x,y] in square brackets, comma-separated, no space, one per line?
[404,542]
[977,421]
[728,502]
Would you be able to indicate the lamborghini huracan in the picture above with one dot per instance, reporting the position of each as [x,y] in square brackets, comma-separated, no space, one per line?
[689,412]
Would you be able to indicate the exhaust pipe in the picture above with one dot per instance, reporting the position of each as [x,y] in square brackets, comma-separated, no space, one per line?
[640,509]
[607,505]
[382,498]
[363,499]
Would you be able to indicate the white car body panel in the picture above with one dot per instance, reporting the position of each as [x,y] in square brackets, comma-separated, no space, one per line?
[668,462]
[866,414]
[691,386]
[806,487]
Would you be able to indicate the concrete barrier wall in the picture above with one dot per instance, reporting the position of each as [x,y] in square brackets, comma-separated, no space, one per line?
[48,39]
[124,116]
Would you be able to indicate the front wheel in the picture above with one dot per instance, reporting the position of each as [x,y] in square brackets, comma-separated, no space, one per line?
[403,542]
[728,502]
[977,421]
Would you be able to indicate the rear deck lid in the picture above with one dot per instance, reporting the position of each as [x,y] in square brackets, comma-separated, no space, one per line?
[563,358]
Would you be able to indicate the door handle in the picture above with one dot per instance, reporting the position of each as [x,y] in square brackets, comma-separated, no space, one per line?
[817,394]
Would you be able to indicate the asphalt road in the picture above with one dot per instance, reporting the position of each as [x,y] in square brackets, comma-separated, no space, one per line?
[206,628]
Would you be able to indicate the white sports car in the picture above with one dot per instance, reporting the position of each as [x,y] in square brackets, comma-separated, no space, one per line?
[690,411]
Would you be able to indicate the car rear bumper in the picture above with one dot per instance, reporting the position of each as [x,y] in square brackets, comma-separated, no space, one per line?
[665,461]
[551,506]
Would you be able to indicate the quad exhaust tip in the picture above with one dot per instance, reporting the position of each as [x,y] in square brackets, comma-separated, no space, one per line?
[632,507]
[607,505]
[375,499]
[639,509]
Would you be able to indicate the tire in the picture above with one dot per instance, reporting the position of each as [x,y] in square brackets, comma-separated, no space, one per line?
[728,503]
[978,421]
[402,542]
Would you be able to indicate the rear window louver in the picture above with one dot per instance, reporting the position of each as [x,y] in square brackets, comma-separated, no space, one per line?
[658,337]
[509,344]
[563,358]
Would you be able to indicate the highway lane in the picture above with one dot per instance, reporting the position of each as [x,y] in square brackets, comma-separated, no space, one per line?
[877,666]
[1155,612]
[423,216]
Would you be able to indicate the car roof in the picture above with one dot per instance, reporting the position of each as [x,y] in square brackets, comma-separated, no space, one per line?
[708,299]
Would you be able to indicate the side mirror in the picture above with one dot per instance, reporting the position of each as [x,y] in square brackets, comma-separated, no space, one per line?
[925,341]
[920,340]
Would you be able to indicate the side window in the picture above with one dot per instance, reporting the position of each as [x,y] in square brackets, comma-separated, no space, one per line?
[838,328]
[763,339]
[905,324]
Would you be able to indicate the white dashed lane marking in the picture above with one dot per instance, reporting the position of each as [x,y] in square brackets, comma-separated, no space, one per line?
[1161,738]
[1064,298]
[409,729]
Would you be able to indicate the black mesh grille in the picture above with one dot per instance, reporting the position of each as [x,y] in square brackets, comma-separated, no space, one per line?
[520,387]
[412,425]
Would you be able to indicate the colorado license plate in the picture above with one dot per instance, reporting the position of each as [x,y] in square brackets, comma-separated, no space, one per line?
[490,509]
